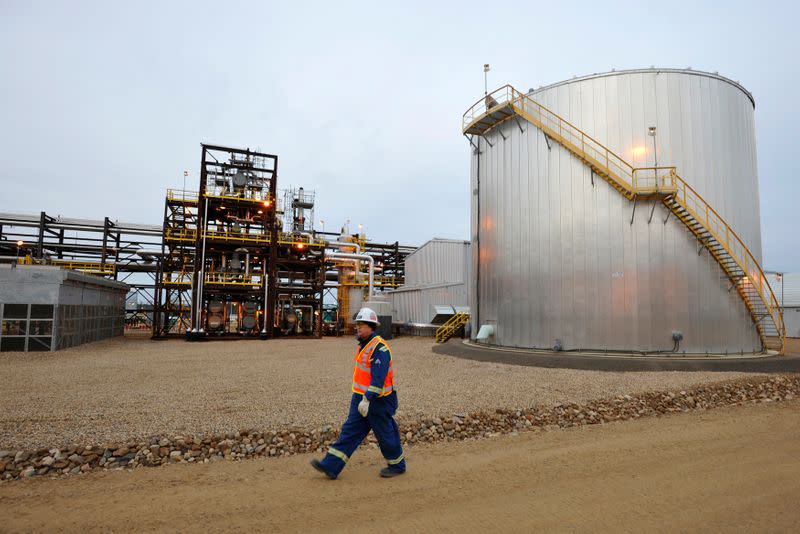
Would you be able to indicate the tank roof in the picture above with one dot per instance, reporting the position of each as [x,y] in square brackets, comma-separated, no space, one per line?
[656,70]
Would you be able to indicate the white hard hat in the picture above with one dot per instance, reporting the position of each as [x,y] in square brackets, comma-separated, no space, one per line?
[367,315]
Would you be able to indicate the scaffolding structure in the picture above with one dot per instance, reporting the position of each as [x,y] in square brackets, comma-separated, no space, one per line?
[126,252]
[230,259]
[227,256]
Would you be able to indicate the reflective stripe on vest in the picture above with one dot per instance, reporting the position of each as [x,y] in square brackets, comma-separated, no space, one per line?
[362,373]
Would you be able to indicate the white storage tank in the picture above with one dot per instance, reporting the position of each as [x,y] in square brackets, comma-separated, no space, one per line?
[562,258]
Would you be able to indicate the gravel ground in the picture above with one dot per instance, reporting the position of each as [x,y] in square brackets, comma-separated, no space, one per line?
[133,387]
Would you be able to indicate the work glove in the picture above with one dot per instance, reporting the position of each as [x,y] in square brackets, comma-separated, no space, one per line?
[363,407]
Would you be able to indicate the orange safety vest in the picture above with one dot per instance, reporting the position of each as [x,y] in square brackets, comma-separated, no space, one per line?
[362,373]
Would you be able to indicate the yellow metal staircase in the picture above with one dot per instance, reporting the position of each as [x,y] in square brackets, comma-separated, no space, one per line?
[451,326]
[661,183]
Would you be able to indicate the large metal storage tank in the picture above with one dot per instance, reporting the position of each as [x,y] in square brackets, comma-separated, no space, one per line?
[556,256]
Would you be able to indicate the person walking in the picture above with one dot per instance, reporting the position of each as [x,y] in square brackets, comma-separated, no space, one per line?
[372,406]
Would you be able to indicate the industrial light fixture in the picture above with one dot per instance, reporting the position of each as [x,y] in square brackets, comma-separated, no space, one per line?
[19,244]
[486,78]
[651,131]
[260,212]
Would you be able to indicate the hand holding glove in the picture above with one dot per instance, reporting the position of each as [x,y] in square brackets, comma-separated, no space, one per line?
[363,407]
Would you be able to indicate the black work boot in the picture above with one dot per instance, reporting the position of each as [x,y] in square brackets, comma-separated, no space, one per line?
[388,472]
[318,466]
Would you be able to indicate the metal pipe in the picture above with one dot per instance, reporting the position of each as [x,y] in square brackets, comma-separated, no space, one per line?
[346,244]
[266,301]
[361,257]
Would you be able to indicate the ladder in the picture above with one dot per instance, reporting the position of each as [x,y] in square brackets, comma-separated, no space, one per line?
[451,326]
[657,183]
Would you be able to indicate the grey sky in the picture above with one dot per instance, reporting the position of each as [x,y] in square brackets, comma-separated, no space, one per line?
[104,104]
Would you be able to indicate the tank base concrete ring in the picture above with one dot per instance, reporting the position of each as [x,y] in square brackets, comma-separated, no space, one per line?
[789,363]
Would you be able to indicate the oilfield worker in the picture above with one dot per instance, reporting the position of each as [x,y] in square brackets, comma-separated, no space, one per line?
[372,406]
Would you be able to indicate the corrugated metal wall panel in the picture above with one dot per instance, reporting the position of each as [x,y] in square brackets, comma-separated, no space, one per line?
[439,261]
[414,305]
[789,287]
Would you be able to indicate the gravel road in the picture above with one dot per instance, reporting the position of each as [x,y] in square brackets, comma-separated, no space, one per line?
[134,387]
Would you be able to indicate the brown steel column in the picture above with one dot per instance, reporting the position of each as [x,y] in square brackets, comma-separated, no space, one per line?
[198,243]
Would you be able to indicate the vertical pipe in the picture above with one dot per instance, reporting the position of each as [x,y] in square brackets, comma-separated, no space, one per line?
[478,238]
[273,248]
[266,287]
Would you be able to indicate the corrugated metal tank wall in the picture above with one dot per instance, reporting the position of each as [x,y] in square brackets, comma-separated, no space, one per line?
[560,258]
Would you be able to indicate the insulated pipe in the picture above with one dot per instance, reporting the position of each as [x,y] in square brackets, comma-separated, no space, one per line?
[360,257]
[345,244]
[266,299]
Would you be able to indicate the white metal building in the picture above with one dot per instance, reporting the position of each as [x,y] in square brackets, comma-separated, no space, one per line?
[436,276]
[787,290]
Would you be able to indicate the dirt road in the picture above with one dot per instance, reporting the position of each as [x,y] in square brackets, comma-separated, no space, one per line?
[731,469]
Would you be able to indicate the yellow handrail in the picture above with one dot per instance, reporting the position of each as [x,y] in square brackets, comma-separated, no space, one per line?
[182,195]
[180,234]
[506,102]
[233,279]
[444,332]
[733,244]
[88,267]
[178,278]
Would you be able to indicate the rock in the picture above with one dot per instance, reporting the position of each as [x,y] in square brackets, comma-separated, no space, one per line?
[21,456]
[76,459]
[122,451]
[27,472]
[47,461]
[409,435]
[163,442]
[175,456]
[4,454]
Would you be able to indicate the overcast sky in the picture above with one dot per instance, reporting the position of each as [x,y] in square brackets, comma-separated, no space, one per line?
[104,104]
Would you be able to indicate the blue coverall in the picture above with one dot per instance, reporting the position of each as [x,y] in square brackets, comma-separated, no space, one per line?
[380,419]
